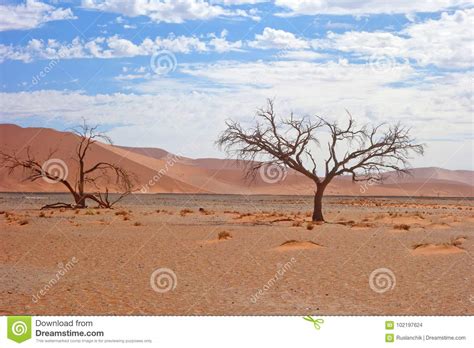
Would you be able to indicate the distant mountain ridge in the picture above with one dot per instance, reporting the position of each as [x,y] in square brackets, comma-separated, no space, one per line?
[209,175]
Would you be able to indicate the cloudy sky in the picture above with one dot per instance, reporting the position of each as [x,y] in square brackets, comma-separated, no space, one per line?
[169,73]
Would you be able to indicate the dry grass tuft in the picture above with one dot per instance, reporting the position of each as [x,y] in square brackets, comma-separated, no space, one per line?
[402,227]
[224,235]
[186,211]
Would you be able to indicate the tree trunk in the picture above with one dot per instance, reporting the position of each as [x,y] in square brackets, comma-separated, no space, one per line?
[318,204]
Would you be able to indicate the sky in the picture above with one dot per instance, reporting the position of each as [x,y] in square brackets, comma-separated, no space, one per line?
[169,74]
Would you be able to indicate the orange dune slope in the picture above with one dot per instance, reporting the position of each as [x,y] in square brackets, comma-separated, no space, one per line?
[158,171]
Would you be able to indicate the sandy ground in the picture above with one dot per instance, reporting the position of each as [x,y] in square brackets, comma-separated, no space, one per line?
[375,256]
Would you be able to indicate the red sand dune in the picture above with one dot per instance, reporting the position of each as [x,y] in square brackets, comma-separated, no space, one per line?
[207,175]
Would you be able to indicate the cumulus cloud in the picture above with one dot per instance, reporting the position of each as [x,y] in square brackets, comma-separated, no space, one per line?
[31,14]
[357,7]
[113,47]
[278,39]
[446,42]
[169,11]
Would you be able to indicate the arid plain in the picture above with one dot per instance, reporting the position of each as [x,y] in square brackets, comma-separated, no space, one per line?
[374,256]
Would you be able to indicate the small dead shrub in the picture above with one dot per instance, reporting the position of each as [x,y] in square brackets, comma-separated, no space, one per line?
[186,211]
[224,235]
[402,227]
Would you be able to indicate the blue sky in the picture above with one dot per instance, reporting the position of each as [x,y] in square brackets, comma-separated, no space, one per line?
[169,73]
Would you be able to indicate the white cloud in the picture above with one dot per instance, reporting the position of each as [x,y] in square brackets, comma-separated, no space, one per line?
[447,42]
[278,39]
[357,7]
[169,11]
[31,14]
[114,47]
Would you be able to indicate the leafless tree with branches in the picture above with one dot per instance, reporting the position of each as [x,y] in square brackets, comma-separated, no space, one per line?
[367,151]
[101,173]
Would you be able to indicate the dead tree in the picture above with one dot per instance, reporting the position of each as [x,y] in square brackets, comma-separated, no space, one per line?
[96,175]
[367,151]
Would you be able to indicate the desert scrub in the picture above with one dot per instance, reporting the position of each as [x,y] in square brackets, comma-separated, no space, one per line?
[224,235]
[309,226]
[186,211]
[404,227]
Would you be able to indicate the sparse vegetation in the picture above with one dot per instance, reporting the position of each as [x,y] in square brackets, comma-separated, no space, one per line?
[185,212]
[402,227]
[224,235]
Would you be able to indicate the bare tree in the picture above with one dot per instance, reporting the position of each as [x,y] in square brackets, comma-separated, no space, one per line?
[367,151]
[101,173]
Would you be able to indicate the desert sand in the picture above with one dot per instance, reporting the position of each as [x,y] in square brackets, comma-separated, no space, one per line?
[272,260]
